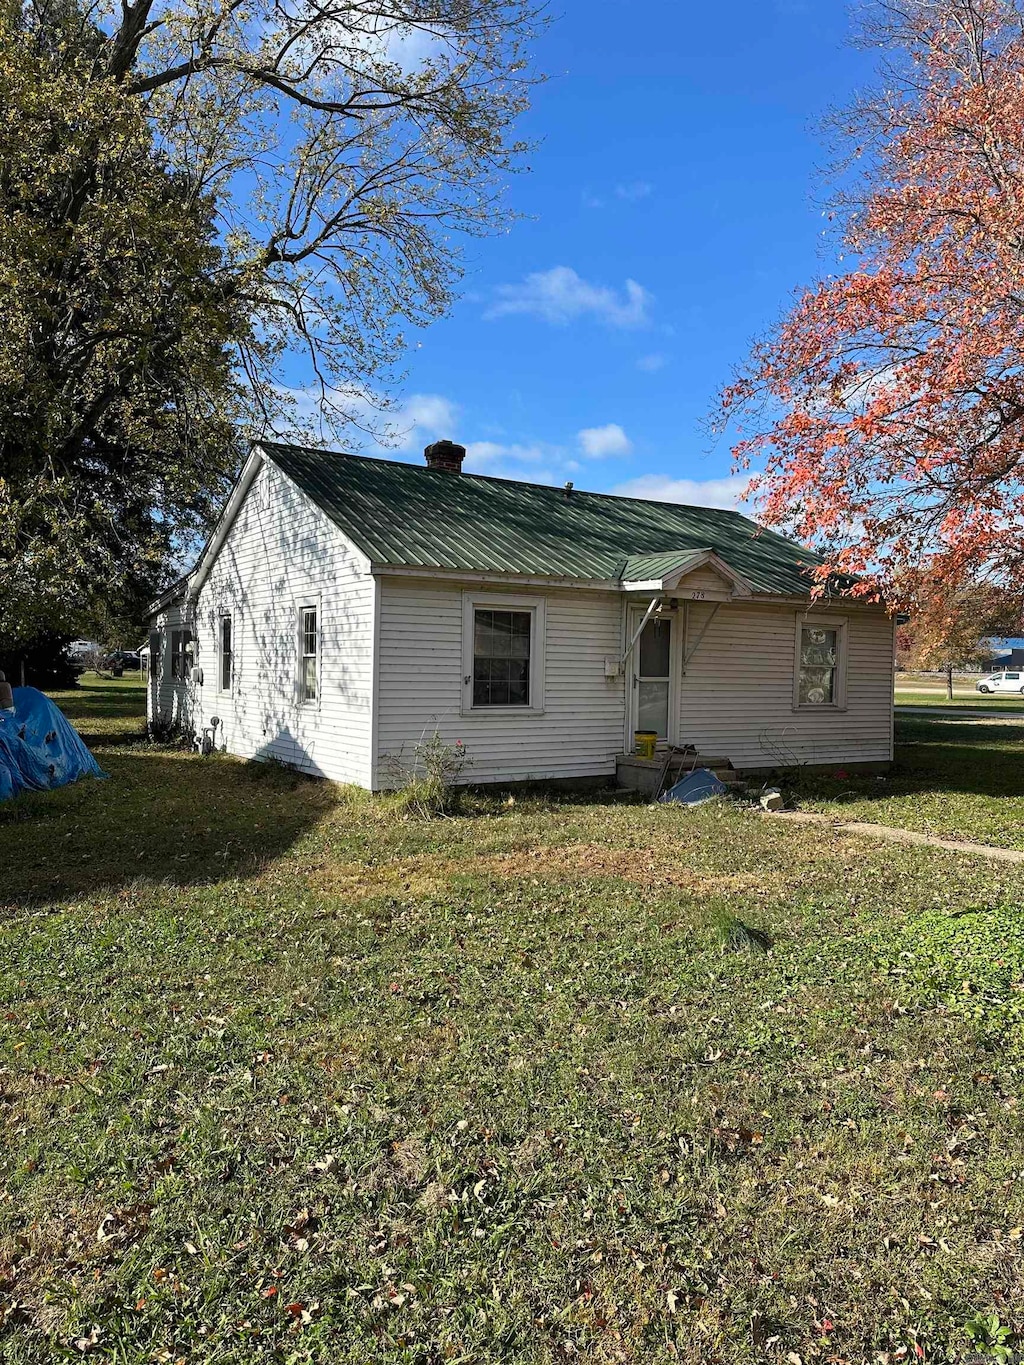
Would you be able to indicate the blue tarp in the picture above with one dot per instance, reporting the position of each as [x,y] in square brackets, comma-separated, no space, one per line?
[39,749]
[695,788]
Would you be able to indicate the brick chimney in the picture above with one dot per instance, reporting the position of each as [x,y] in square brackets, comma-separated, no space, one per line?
[445,455]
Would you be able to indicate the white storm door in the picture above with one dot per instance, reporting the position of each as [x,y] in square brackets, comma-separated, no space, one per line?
[652,675]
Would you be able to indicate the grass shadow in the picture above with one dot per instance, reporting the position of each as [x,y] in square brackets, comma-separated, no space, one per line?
[162,816]
[968,758]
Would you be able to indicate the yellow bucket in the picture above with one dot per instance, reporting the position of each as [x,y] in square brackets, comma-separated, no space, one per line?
[645,742]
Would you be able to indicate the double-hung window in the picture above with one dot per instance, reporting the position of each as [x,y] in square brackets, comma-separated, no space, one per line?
[503,655]
[820,664]
[181,644]
[226,655]
[309,655]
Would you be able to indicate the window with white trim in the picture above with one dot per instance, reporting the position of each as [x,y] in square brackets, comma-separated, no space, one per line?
[226,655]
[503,653]
[181,648]
[501,657]
[820,663]
[309,660]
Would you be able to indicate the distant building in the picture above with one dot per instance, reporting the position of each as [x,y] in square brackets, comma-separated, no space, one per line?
[1006,652]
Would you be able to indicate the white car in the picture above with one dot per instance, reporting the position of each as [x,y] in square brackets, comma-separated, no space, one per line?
[1001,682]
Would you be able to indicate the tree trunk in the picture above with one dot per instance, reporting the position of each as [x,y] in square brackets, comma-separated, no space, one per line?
[949,681]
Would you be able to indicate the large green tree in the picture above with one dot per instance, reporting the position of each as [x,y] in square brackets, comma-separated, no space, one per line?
[197,196]
[117,392]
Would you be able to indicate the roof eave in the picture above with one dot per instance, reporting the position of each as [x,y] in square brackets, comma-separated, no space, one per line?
[212,548]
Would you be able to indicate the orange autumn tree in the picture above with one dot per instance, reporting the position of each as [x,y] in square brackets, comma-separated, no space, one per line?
[885,414]
[951,633]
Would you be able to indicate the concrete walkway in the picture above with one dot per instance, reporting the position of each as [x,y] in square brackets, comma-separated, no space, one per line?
[960,713]
[899,836]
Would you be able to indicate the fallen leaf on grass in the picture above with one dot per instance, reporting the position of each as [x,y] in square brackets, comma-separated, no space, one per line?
[297,1233]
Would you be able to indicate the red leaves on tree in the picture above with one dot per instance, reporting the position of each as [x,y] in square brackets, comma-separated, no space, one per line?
[887,410]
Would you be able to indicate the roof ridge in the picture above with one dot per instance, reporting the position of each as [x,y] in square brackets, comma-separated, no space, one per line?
[514,483]
[403,513]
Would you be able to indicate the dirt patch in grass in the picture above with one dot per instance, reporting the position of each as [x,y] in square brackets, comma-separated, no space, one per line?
[430,875]
[641,867]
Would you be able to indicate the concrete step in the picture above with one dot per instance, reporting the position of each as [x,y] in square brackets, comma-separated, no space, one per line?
[716,765]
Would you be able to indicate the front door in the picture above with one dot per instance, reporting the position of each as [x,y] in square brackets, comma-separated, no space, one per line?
[651,665]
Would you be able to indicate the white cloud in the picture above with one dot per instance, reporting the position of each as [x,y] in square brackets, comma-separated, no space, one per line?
[599,442]
[362,40]
[422,416]
[351,420]
[545,462]
[723,493]
[657,360]
[628,191]
[409,47]
[484,457]
[560,296]
[634,190]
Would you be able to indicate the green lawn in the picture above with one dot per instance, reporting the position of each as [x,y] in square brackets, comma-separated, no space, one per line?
[961,780]
[974,699]
[288,1078]
[104,707]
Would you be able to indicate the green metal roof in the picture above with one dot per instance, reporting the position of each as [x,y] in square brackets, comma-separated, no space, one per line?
[641,567]
[403,514]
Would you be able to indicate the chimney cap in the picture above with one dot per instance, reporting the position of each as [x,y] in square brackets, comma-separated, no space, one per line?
[447,455]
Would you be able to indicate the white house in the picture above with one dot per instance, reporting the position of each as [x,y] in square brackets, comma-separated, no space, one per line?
[346,607]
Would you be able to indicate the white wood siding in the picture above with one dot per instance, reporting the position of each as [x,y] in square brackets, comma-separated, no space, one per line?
[281,554]
[736,697]
[420,681]
[169,701]
[701,580]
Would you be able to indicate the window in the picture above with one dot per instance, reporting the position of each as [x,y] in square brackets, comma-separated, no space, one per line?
[1013,677]
[226,657]
[501,657]
[310,651]
[503,653]
[821,663]
[181,649]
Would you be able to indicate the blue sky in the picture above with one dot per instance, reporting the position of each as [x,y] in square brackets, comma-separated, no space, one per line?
[674,204]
